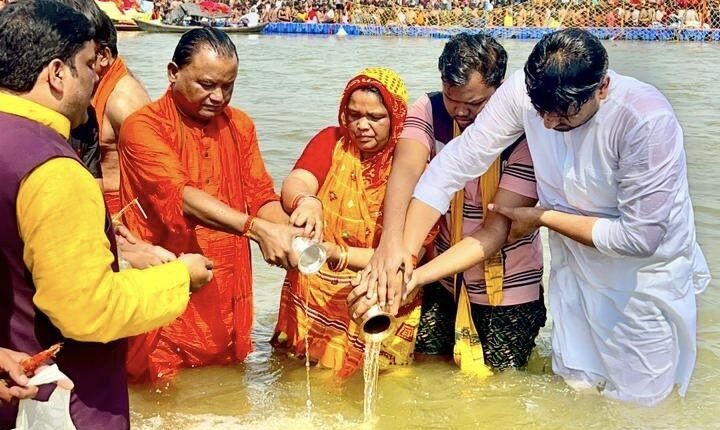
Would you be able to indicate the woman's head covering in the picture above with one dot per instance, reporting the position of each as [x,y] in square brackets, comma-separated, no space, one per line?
[392,90]
[394,96]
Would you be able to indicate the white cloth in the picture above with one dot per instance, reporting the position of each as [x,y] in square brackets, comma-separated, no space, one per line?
[251,18]
[625,313]
[53,414]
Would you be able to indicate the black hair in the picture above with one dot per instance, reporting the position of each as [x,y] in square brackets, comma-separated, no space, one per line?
[466,53]
[564,70]
[111,40]
[105,32]
[191,40]
[32,34]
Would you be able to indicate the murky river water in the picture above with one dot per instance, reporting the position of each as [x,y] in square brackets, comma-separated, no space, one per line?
[291,86]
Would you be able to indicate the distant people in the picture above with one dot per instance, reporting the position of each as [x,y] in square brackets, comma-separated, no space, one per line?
[59,277]
[250,19]
[194,164]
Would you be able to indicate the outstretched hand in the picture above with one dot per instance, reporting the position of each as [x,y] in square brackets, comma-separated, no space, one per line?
[382,279]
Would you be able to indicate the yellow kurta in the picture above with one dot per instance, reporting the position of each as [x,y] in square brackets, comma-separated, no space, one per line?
[61,220]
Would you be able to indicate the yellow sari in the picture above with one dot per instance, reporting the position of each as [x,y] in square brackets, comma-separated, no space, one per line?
[352,195]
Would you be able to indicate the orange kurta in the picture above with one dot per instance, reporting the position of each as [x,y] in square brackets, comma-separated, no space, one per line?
[104,90]
[161,153]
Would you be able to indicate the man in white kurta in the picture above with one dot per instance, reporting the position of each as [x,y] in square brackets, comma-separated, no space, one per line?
[623,303]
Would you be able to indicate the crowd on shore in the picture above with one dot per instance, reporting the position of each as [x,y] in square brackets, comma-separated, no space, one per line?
[127,223]
[469,13]
[461,13]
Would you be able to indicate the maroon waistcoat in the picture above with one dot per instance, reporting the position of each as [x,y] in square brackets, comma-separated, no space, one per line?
[100,398]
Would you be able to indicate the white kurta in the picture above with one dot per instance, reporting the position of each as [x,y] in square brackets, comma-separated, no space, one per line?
[624,312]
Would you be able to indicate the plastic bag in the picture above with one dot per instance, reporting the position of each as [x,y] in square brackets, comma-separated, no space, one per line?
[54,414]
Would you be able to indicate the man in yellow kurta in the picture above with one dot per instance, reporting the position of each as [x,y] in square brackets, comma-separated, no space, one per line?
[58,268]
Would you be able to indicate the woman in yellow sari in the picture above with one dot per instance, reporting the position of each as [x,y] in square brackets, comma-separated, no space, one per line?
[336,192]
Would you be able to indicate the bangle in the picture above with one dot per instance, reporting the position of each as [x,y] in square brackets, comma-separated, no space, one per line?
[299,197]
[248,226]
[345,258]
[342,261]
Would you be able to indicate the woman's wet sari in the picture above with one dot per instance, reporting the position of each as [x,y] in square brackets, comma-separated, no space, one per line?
[352,196]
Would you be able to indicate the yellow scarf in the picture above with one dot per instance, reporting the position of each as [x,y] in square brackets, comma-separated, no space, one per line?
[494,266]
[467,352]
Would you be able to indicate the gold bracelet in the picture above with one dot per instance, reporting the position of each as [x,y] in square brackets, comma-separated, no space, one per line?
[342,261]
[344,258]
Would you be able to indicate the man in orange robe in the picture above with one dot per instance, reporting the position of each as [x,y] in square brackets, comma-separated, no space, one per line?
[194,164]
[118,94]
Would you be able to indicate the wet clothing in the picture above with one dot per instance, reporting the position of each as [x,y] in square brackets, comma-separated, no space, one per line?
[521,309]
[507,333]
[352,191]
[161,152]
[624,311]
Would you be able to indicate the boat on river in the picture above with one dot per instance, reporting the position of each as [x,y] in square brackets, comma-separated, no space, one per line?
[156,27]
[126,26]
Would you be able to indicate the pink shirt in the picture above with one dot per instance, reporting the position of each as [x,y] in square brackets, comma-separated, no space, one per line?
[523,259]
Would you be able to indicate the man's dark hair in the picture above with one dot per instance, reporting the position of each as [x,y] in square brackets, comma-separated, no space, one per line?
[32,34]
[466,53]
[192,40]
[105,32]
[564,70]
[109,35]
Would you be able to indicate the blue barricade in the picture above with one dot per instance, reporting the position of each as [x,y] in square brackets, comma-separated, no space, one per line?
[523,33]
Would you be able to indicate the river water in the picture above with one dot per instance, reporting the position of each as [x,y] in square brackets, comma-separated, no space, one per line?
[291,86]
